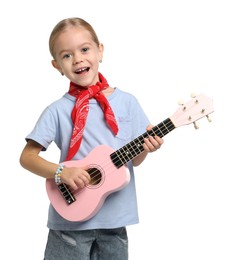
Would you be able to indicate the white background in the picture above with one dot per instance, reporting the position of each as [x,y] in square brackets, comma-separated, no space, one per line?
[160,51]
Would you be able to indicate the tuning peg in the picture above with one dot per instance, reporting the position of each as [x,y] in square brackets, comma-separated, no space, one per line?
[208,118]
[193,94]
[181,102]
[195,125]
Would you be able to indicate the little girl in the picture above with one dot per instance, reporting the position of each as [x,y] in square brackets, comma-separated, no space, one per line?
[90,114]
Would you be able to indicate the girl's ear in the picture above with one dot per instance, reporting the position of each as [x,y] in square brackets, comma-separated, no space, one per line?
[101,49]
[56,66]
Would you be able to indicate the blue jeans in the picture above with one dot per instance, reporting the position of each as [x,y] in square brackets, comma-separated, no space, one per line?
[97,244]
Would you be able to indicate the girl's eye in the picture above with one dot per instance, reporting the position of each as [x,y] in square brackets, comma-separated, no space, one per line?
[85,49]
[66,56]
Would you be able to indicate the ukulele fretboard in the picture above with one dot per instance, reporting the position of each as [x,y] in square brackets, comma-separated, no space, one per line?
[135,147]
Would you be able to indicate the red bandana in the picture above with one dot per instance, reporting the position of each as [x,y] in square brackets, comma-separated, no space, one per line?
[80,111]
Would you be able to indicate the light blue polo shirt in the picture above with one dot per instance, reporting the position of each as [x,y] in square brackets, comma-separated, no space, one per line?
[55,125]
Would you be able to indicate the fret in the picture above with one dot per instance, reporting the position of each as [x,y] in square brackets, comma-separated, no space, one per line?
[153,131]
[123,156]
[159,132]
[116,159]
[66,193]
[135,147]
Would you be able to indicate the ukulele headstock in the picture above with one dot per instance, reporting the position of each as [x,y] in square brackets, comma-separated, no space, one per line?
[198,107]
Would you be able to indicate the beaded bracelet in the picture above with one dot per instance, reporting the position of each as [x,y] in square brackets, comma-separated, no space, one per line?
[58,173]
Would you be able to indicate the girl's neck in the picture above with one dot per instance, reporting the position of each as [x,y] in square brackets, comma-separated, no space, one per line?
[108,91]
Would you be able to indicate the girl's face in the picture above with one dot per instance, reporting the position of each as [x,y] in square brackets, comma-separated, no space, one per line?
[77,56]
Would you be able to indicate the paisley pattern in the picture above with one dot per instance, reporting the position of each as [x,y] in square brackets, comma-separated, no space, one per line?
[81,108]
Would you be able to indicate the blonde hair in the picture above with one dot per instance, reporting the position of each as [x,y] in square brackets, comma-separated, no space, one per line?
[64,24]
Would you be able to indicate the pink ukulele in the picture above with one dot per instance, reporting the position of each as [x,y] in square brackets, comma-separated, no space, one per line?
[107,167]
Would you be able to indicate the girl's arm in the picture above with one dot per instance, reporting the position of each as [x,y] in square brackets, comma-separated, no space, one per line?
[33,162]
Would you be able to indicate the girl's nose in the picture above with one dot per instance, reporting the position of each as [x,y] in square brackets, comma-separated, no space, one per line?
[78,59]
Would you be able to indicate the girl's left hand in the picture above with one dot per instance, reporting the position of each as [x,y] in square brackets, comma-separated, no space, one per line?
[152,143]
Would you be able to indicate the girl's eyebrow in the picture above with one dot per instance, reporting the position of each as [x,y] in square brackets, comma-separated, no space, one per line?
[62,51]
[81,46]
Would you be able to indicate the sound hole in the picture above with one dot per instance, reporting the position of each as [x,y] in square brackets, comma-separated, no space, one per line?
[96,176]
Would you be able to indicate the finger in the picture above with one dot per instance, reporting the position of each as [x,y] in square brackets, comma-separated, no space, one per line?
[148,145]
[81,182]
[73,185]
[86,175]
[156,141]
[149,127]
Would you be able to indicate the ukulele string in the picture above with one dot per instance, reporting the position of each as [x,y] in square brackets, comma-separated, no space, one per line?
[135,148]
[124,155]
[137,143]
[121,158]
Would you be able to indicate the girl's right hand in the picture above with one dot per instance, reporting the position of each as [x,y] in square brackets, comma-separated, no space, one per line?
[75,177]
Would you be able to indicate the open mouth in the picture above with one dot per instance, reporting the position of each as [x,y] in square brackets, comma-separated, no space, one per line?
[82,70]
